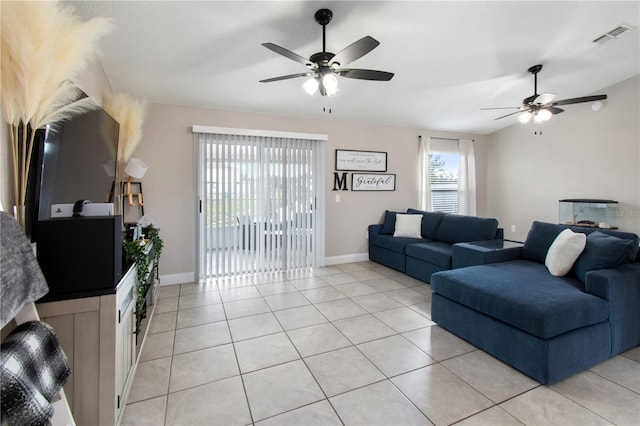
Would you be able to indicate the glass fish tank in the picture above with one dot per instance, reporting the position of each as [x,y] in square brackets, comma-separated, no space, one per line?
[604,214]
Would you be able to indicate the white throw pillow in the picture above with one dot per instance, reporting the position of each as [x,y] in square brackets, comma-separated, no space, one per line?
[564,251]
[408,225]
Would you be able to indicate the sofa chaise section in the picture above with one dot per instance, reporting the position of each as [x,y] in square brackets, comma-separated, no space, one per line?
[549,327]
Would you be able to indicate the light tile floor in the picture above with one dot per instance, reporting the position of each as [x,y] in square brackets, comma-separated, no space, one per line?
[350,344]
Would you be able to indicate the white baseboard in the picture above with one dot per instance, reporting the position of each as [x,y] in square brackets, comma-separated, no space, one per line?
[183,278]
[348,258]
[189,277]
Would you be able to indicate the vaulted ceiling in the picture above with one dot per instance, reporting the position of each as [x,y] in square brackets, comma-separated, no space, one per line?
[450,58]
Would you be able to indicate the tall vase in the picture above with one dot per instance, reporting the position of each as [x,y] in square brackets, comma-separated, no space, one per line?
[19,152]
[19,213]
[27,148]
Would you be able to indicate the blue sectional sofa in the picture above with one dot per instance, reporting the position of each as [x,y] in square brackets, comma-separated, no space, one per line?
[549,327]
[433,252]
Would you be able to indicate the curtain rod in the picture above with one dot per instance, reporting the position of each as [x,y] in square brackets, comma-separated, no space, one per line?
[446,139]
[254,132]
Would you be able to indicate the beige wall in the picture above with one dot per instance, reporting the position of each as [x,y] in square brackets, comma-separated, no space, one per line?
[169,185]
[580,154]
[521,176]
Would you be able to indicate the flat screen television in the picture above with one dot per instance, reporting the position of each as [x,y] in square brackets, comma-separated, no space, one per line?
[75,161]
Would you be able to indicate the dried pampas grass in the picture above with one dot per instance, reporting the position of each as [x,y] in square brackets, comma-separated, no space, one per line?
[43,47]
[130,113]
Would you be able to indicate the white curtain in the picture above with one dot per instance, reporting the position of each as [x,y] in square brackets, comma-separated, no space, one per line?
[259,207]
[424,186]
[467,179]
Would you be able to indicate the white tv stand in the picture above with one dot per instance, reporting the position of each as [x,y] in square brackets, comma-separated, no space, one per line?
[98,334]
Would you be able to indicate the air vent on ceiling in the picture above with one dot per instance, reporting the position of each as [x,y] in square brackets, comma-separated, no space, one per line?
[602,39]
[614,33]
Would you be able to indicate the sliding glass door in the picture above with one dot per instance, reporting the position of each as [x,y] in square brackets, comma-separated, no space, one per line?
[261,203]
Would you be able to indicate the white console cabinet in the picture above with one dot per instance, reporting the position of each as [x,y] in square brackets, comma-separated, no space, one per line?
[98,334]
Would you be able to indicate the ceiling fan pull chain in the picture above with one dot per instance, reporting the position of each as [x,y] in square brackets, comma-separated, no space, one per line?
[537,130]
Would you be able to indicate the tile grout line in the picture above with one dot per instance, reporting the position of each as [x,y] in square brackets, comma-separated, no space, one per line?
[240,300]
[173,345]
[304,360]
[354,345]
[326,398]
[235,353]
[331,322]
[551,387]
[611,381]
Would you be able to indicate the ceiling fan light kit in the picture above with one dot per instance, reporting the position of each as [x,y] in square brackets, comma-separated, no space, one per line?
[525,117]
[330,84]
[325,67]
[541,107]
[541,116]
[311,86]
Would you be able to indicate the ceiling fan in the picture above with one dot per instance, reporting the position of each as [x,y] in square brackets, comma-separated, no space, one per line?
[324,67]
[541,107]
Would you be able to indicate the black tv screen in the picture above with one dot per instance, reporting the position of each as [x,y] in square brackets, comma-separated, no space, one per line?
[78,161]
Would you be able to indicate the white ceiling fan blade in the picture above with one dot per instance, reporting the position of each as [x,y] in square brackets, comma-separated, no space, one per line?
[544,98]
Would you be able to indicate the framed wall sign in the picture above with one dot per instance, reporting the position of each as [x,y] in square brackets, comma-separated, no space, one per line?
[373,182]
[366,161]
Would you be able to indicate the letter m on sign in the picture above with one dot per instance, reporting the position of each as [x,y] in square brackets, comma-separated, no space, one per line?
[340,181]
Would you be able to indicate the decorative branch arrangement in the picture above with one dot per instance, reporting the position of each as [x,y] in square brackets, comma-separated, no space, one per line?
[44,47]
[130,114]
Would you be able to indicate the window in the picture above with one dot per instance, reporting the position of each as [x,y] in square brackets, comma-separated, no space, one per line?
[447,175]
[444,167]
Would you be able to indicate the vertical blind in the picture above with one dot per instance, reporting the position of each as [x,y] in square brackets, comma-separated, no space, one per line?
[259,208]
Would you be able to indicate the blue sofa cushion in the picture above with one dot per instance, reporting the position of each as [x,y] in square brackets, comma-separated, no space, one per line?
[389,223]
[430,222]
[601,252]
[392,243]
[458,228]
[435,252]
[540,237]
[523,294]
[620,234]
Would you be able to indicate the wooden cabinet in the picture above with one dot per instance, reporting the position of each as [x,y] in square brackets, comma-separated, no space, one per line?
[98,334]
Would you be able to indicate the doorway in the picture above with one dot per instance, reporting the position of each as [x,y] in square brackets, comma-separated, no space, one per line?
[261,201]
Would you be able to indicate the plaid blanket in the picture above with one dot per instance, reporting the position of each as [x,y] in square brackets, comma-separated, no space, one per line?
[33,369]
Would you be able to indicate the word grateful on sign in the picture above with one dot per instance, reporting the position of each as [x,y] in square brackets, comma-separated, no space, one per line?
[364,182]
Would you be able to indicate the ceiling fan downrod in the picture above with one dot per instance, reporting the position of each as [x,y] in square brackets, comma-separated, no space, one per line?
[535,70]
[323,17]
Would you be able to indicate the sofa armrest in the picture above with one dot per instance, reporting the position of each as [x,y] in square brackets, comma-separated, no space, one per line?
[484,252]
[499,234]
[614,284]
[621,287]
[375,229]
